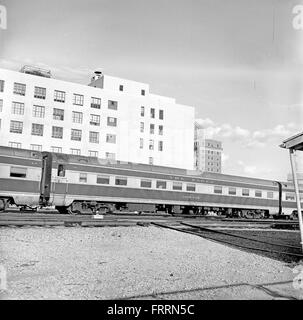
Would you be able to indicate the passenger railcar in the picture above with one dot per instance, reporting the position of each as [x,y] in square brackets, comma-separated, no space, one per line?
[78,184]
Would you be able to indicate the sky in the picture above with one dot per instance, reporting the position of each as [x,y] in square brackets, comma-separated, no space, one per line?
[238,62]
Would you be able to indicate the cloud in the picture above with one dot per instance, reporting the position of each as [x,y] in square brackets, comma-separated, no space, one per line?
[257,138]
[205,123]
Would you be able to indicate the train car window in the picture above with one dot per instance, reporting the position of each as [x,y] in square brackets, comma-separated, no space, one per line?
[18,172]
[146,183]
[121,181]
[232,190]
[217,189]
[270,194]
[177,185]
[103,179]
[258,193]
[245,192]
[190,187]
[290,196]
[61,171]
[83,177]
[161,184]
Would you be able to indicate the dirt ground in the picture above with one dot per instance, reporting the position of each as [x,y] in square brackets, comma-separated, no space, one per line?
[134,263]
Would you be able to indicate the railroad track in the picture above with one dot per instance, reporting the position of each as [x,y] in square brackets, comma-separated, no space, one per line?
[287,249]
[53,218]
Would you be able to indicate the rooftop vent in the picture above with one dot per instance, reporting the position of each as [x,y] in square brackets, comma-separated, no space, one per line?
[97,75]
[36,71]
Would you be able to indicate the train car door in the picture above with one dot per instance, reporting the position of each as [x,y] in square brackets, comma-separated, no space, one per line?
[59,186]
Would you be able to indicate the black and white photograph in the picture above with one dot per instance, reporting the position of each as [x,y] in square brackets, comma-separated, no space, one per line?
[151,153]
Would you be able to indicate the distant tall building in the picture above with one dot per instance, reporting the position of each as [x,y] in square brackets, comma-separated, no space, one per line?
[207,152]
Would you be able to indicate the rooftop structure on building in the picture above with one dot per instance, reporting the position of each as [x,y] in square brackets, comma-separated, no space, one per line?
[108,118]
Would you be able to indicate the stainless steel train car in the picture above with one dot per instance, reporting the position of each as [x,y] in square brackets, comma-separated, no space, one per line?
[78,184]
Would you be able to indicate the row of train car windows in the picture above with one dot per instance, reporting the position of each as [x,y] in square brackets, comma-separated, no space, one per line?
[20,172]
[160,184]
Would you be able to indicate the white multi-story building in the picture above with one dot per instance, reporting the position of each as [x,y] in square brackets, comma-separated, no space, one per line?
[109,118]
[207,152]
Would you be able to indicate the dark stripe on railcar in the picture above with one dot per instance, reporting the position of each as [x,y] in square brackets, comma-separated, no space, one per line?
[19,185]
[21,162]
[163,195]
[14,185]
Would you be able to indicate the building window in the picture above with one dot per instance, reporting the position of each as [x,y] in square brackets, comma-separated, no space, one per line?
[18,108]
[1,104]
[258,193]
[36,147]
[95,103]
[177,186]
[120,87]
[37,129]
[93,137]
[77,117]
[190,187]
[141,143]
[102,179]
[151,128]
[40,93]
[151,144]
[270,194]
[83,177]
[1,85]
[76,135]
[217,189]
[59,96]
[161,184]
[144,183]
[16,145]
[151,160]
[76,152]
[161,130]
[93,154]
[161,114]
[57,132]
[112,122]
[245,192]
[39,111]
[110,156]
[56,149]
[142,92]
[111,138]
[141,126]
[18,172]
[16,126]
[19,88]
[58,114]
[113,105]
[94,120]
[232,191]
[142,111]
[160,146]
[152,113]
[121,181]
[78,99]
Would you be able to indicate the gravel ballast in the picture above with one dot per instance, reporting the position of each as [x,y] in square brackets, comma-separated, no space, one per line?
[129,262]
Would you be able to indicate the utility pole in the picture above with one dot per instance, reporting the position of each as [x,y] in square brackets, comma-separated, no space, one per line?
[294,144]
